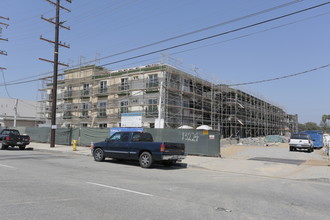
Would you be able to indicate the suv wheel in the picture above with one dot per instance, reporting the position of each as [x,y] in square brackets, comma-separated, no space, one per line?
[2,146]
[98,155]
[145,160]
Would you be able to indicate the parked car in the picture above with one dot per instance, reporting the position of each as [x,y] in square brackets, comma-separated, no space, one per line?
[12,137]
[138,146]
[301,141]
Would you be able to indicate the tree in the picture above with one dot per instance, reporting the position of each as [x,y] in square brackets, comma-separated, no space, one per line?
[312,126]
[301,127]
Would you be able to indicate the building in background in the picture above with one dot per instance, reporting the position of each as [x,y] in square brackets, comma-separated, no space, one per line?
[22,113]
[158,95]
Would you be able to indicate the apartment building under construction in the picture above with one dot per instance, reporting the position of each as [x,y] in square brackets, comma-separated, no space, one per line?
[159,95]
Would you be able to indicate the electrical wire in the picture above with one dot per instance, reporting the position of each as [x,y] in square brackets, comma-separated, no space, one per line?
[282,77]
[218,35]
[202,39]
[186,34]
[4,82]
[251,34]
[197,31]
[203,29]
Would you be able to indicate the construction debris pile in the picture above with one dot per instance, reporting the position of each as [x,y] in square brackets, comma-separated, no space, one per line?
[256,141]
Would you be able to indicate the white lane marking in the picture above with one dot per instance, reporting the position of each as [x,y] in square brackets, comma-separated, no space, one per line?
[126,190]
[2,165]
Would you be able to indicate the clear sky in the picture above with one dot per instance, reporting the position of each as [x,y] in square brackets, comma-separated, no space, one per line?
[101,28]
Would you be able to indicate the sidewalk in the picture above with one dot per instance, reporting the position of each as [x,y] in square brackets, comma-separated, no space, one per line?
[231,164]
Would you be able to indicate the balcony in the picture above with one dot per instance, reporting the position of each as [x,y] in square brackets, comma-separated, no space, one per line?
[85,93]
[67,94]
[102,113]
[152,84]
[123,87]
[67,115]
[84,114]
[102,92]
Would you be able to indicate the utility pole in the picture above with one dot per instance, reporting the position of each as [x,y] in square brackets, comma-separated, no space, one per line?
[15,112]
[2,52]
[58,25]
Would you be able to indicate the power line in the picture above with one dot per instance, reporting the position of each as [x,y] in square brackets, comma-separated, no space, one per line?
[187,50]
[4,81]
[203,29]
[199,30]
[191,42]
[282,77]
[196,31]
[218,35]
[250,34]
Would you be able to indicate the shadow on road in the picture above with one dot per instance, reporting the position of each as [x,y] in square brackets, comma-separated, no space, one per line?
[155,165]
[279,160]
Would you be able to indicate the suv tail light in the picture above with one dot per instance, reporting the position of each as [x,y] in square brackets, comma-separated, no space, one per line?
[162,148]
[7,138]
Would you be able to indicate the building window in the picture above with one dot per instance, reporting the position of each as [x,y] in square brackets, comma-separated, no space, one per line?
[135,77]
[84,112]
[124,106]
[85,90]
[102,109]
[152,80]
[124,84]
[68,92]
[104,125]
[67,106]
[67,115]
[186,85]
[84,106]
[103,87]
[102,104]
[152,109]
[84,125]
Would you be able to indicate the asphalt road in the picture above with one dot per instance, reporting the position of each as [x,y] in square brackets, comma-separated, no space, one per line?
[47,185]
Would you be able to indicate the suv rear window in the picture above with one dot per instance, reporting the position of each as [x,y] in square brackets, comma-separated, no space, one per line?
[142,137]
[300,136]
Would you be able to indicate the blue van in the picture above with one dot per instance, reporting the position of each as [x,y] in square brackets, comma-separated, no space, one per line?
[317,137]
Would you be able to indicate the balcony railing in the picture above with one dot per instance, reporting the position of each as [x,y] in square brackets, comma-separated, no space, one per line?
[102,90]
[123,87]
[85,93]
[152,84]
[84,114]
[67,94]
[102,113]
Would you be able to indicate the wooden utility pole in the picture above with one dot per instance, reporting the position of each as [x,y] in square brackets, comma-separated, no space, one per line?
[2,52]
[56,43]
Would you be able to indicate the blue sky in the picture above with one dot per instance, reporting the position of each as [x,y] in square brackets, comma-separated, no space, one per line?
[100,28]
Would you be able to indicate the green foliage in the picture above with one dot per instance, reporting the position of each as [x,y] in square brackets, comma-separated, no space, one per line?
[313,126]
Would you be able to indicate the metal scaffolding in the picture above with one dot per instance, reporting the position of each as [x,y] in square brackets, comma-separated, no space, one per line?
[93,96]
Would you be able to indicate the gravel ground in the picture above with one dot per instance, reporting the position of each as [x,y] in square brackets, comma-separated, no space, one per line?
[279,151]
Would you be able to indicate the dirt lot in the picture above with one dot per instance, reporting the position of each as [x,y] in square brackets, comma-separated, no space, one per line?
[273,152]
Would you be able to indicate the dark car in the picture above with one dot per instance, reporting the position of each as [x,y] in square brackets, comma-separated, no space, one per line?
[138,146]
[12,137]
